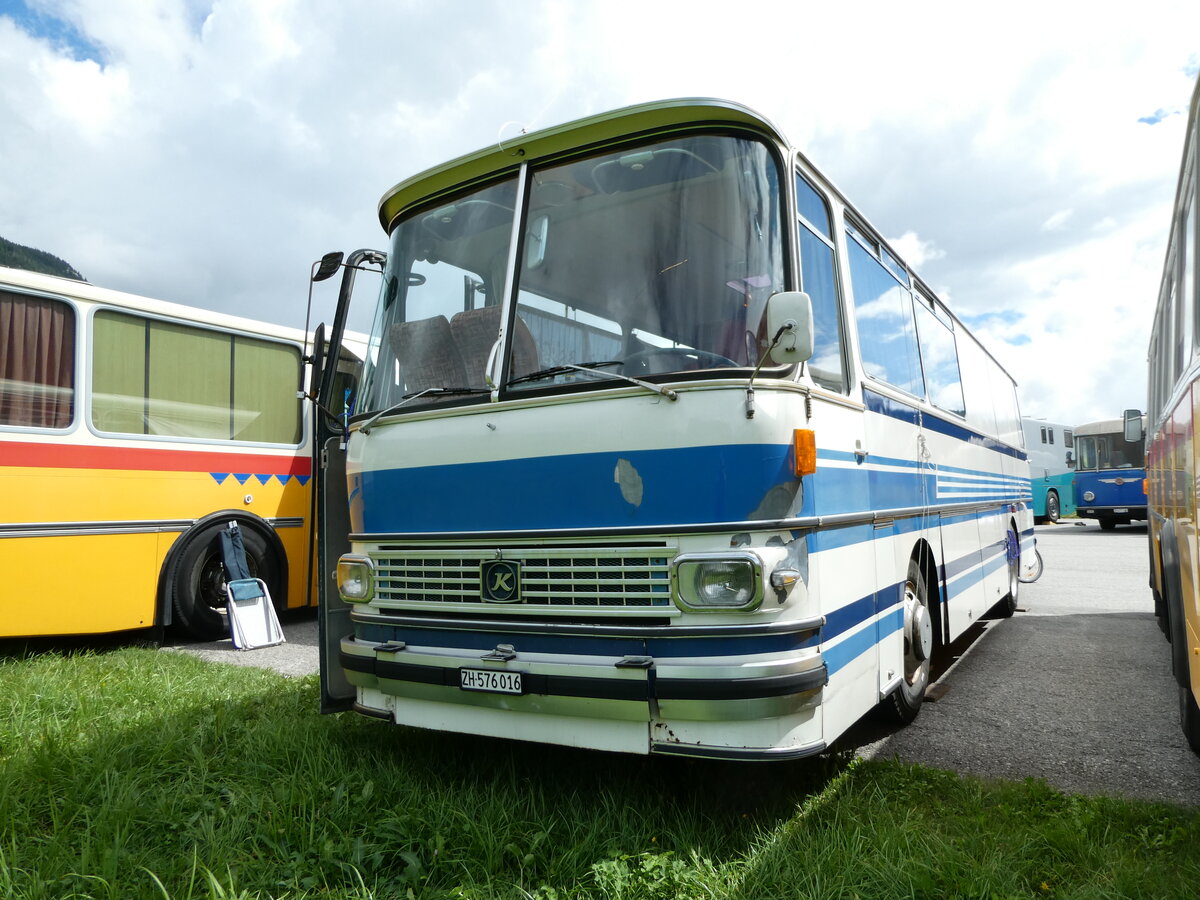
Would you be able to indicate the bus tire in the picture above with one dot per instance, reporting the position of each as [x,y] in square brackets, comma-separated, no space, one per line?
[1189,718]
[1053,509]
[1180,658]
[1107,523]
[1008,604]
[903,704]
[197,578]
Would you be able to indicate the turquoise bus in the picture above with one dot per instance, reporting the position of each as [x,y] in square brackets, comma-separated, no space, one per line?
[1051,468]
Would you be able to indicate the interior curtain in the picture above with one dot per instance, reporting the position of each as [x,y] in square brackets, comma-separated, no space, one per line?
[37,362]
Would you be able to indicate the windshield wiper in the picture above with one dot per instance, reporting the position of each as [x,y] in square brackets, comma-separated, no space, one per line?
[365,427]
[590,369]
[561,369]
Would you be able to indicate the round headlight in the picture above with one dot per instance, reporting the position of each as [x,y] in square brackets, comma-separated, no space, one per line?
[1089,496]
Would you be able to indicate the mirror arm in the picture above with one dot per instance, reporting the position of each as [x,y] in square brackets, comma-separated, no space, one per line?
[785,327]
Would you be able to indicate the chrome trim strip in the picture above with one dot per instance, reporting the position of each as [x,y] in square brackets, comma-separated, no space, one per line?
[83,529]
[286,522]
[737,754]
[806,523]
[759,629]
[372,713]
[78,529]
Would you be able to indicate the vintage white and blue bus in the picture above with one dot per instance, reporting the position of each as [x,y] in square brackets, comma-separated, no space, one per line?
[1050,447]
[1110,474]
[660,448]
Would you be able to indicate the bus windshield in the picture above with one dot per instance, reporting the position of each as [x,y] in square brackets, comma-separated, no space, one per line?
[1108,451]
[652,260]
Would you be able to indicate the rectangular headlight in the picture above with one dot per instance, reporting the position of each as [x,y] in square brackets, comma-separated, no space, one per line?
[718,581]
[356,578]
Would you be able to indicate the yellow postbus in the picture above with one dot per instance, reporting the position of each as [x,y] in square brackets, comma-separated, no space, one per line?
[1172,441]
[131,432]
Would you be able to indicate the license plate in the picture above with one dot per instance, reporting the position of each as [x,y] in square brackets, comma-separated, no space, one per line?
[1121,510]
[490,680]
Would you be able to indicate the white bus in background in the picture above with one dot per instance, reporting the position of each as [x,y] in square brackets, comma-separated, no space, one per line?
[1051,449]
[660,448]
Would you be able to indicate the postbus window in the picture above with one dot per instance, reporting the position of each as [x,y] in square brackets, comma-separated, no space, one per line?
[883,310]
[940,359]
[168,379]
[37,362]
[819,281]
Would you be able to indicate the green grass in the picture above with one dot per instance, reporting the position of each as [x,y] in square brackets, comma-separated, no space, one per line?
[143,774]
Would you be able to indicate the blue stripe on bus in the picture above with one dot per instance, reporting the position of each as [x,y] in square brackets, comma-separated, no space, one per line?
[722,483]
[677,486]
[904,412]
[863,641]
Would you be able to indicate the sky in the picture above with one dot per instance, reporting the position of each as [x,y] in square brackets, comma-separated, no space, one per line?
[1022,157]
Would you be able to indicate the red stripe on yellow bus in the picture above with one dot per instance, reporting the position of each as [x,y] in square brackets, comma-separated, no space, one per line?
[68,456]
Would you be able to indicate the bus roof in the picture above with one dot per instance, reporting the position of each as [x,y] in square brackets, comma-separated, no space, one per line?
[54,285]
[1105,426]
[594,131]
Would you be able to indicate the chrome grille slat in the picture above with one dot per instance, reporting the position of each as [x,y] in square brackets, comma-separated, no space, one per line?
[595,577]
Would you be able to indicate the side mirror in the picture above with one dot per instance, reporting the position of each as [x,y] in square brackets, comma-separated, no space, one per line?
[1134,432]
[326,266]
[318,361]
[790,327]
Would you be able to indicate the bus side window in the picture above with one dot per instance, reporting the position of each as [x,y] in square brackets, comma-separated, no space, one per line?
[883,309]
[37,369]
[939,355]
[819,281]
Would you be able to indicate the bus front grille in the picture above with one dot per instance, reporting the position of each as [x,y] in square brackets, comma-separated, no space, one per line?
[573,577]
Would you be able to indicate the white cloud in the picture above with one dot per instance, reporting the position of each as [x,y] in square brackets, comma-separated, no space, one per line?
[207,152]
[1058,220]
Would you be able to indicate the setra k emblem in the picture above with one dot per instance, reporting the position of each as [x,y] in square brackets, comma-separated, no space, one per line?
[501,580]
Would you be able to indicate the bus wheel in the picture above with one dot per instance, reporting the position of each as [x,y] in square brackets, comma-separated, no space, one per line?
[1189,718]
[1108,523]
[197,582]
[1012,549]
[1052,508]
[904,703]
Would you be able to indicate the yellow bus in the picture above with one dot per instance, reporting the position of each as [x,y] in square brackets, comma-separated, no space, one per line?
[1171,444]
[131,432]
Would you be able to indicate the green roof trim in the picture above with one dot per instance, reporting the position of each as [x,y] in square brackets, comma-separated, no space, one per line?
[593,131]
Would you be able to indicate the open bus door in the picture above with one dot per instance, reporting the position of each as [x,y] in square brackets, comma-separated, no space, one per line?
[333,395]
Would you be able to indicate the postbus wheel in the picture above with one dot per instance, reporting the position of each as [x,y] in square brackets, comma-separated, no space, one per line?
[197,582]
[905,701]
[1053,510]
[1189,718]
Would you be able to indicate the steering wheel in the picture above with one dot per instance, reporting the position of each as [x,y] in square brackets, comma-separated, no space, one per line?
[673,359]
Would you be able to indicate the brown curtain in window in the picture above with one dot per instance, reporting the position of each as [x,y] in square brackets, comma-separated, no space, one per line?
[37,361]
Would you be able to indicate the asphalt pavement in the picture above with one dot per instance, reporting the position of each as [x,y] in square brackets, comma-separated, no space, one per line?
[1075,688]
